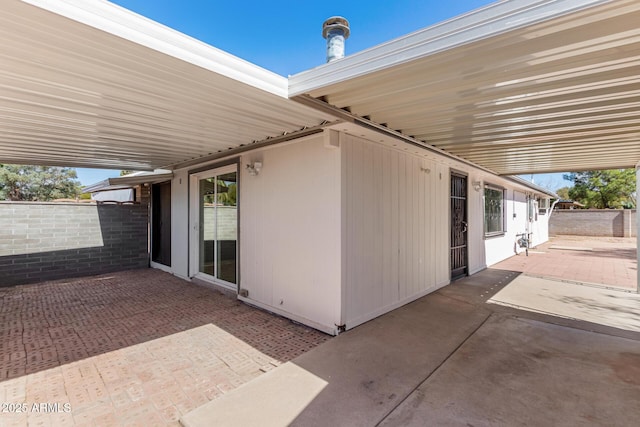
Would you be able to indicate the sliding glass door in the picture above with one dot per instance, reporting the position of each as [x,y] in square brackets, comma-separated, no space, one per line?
[215,225]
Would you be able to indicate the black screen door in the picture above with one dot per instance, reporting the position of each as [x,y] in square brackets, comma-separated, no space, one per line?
[458,257]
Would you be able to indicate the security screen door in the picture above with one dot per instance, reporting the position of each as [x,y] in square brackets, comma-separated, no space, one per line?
[215,226]
[458,257]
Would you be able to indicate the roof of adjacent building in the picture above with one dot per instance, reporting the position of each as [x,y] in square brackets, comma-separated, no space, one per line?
[129,181]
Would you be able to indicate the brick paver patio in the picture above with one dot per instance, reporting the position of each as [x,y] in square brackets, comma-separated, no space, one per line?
[130,348]
[609,261]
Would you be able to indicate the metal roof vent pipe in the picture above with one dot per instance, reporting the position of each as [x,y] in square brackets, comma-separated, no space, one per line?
[336,31]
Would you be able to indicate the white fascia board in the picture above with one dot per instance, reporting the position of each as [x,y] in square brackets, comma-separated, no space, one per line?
[98,186]
[123,23]
[128,181]
[489,21]
[142,178]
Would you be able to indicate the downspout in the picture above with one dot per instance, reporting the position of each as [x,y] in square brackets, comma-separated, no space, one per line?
[529,220]
[553,206]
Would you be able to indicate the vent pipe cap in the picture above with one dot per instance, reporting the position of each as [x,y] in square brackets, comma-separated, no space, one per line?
[336,31]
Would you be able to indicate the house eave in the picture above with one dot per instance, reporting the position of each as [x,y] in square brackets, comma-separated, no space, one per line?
[127,181]
[489,21]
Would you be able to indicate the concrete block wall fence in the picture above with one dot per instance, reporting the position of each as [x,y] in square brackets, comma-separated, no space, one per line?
[48,241]
[594,222]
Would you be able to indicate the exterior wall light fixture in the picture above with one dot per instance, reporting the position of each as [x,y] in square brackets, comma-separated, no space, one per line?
[254,169]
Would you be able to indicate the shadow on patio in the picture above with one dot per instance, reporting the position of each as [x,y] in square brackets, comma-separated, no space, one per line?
[139,344]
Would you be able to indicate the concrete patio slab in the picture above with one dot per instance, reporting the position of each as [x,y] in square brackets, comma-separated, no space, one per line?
[604,306]
[145,348]
[517,372]
[370,369]
[569,248]
[452,359]
[259,403]
[611,261]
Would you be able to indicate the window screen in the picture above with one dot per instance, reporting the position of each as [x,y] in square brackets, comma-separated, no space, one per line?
[493,211]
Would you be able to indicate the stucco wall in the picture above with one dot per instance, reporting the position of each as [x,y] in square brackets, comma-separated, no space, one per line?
[594,222]
[290,255]
[47,241]
[336,234]
[288,230]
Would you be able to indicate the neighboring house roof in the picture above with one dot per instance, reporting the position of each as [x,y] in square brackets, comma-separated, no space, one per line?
[570,202]
[129,181]
[523,86]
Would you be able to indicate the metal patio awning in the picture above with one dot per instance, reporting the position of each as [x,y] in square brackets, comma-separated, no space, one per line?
[520,86]
[90,84]
[517,87]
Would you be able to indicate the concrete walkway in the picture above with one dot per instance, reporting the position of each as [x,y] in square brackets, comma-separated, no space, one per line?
[595,304]
[609,261]
[451,359]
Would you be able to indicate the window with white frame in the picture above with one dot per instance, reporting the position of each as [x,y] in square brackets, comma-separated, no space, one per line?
[543,205]
[493,211]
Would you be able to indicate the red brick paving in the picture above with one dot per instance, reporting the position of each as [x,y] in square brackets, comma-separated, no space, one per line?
[131,348]
[611,262]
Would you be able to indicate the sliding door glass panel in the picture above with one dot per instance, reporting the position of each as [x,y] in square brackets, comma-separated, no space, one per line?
[218,224]
[226,227]
[207,225]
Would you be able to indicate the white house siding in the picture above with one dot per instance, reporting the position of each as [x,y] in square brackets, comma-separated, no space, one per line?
[498,248]
[290,222]
[540,227]
[396,228]
[340,235]
[475,210]
[396,225]
[180,224]
[502,247]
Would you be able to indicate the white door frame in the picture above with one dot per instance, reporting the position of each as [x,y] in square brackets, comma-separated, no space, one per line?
[194,226]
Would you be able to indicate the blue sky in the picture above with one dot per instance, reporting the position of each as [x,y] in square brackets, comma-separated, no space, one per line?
[286,36]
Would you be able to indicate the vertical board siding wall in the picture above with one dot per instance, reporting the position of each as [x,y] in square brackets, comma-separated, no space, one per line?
[335,236]
[290,253]
[180,224]
[396,234]
[475,232]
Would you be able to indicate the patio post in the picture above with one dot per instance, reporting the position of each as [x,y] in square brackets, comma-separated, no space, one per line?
[637,229]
